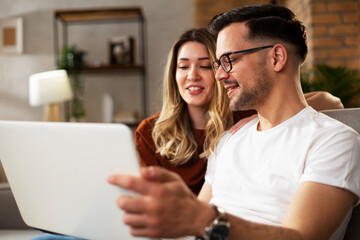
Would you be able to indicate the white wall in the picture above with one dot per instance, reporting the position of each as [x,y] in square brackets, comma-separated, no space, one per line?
[166,20]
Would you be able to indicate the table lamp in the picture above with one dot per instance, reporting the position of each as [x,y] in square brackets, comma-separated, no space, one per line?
[50,89]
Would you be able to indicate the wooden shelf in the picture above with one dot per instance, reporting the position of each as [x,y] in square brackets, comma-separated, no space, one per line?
[99,14]
[63,18]
[112,68]
[132,125]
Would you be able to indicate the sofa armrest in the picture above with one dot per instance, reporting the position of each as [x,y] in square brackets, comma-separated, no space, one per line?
[10,217]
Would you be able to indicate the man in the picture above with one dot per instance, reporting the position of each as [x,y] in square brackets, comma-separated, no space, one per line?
[292,173]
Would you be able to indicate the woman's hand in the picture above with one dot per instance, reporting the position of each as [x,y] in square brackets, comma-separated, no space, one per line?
[241,123]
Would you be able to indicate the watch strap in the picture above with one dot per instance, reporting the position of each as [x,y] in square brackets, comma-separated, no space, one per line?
[220,217]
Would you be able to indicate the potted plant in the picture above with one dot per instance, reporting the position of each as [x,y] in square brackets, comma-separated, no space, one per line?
[339,81]
[71,59]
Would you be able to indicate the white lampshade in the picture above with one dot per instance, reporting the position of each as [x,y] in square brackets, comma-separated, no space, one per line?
[49,87]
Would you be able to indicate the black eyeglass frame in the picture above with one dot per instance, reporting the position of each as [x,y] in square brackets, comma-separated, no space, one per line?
[218,63]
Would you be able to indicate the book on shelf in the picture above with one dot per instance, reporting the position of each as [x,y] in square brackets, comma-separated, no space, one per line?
[127,117]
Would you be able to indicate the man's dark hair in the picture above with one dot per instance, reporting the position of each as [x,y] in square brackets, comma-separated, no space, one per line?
[268,22]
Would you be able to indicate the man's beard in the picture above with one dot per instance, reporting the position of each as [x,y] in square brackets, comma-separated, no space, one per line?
[252,97]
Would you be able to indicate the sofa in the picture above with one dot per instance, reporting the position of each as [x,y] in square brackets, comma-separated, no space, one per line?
[12,227]
[350,117]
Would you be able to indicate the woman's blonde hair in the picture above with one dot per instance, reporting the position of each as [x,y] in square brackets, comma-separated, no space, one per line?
[173,133]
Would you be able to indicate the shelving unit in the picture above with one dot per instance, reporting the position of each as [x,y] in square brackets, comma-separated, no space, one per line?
[64,18]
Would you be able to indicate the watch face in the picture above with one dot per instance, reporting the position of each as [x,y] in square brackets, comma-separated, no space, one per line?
[219,232]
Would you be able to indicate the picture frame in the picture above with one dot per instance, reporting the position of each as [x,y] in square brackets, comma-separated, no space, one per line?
[121,50]
[11,35]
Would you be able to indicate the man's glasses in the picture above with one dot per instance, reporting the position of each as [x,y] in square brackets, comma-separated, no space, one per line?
[225,62]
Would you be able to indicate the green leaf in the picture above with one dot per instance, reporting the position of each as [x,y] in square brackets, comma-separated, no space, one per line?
[339,81]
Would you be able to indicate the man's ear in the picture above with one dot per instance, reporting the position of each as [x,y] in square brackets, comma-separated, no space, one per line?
[279,57]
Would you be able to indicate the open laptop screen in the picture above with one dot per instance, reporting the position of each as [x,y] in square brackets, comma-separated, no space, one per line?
[58,174]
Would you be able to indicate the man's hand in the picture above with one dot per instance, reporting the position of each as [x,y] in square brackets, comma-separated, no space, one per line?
[165,208]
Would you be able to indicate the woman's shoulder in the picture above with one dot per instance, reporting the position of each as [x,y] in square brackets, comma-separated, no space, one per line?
[148,123]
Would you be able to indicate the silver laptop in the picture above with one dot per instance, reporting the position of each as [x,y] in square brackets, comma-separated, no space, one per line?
[58,174]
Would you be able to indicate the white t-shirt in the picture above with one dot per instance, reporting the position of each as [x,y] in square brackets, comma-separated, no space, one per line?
[255,174]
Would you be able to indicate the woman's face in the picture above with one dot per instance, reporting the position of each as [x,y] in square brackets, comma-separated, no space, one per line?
[194,74]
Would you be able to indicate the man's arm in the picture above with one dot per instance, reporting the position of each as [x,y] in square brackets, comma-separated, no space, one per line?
[167,208]
[314,214]
[317,210]
[205,194]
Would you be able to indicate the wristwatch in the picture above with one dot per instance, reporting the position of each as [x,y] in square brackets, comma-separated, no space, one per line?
[219,229]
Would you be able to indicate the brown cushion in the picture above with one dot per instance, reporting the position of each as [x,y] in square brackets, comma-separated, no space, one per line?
[9,213]
[2,174]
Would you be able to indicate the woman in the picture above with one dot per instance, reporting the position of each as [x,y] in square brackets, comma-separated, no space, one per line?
[195,111]
[194,114]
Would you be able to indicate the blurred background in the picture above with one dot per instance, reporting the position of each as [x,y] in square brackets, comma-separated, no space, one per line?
[119,88]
